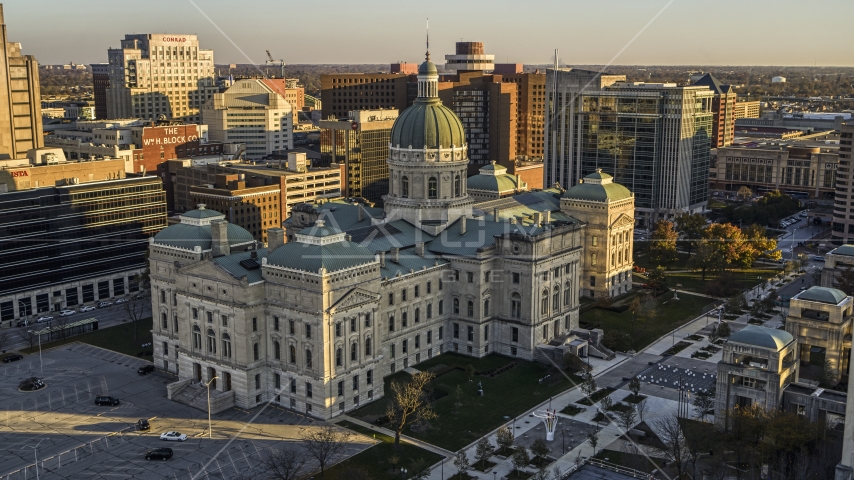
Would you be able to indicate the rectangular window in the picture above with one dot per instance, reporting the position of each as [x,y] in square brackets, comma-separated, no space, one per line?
[429,288]
[340,389]
[195,313]
[278,381]
[441,306]
[224,320]
[254,324]
[276,323]
[165,348]
[257,381]
[355,382]
[418,341]
[441,331]
[456,330]
[391,298]
[595,241]
[429,336]
[307,390]
[391,323]
[470,277]
[369,377]
[352,324]
[517,277]
[486,332]
[293,386]
[337,329]
[440,284]
[403,295]
[307,331]
[486,275]
[593,258]
[470,335]
[291,327]
[391,350]
[515,335]
[417,291]
[404,346]
[592,281]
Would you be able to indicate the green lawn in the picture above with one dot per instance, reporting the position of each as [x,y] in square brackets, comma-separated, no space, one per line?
[118,338]
[375,462]
[671,314]
[510,394]
[644,260]
[745,279]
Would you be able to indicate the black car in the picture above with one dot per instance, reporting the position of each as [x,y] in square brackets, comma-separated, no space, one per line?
[106,400]
[145,369]
[13,358]
[143,425]
[159,454]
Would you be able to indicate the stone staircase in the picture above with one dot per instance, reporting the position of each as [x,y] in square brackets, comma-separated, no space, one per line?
[601,351]
[195,395]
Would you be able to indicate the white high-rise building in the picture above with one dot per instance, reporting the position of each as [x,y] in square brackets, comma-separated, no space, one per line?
[252,113]
[159,76]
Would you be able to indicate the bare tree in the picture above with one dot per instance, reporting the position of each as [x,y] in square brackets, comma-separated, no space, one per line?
[324,444]
[593,439]
[520,458]
[483,450]
[626,419]
[28,336]
[642,408]
[284,464]
[418,470]
[461,461]
[136,305]
[704,403]
[60,323]
[5,339]
[673,445]
[409,402]
[606,403]
[589,386]
[635,387]
[542,474]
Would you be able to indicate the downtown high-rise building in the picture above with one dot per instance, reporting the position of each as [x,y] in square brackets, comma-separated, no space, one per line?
[159,76]
[20,102]
[843,204]
[723,108]
[653,138]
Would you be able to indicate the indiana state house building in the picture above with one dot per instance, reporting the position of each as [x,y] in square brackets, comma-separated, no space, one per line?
[346,294]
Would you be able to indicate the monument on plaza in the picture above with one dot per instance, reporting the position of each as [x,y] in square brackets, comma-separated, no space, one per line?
[550,421]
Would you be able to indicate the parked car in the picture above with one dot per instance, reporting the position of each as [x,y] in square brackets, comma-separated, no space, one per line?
[145,369]
[104,304]
[143,425]
[44,319]
[87,309]
[67,313]
[106,400]
[23,323]
[121,300]
[173,436]
[818,258]
[13,358]
[159,454]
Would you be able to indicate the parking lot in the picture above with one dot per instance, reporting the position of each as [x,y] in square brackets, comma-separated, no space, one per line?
[74,438]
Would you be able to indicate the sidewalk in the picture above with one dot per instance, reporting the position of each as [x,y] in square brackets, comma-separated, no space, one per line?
[403,438]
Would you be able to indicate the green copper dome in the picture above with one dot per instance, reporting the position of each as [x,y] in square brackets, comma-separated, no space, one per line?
[428,123]
[428,68]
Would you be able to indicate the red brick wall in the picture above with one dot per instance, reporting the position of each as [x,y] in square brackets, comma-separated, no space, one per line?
[159,144]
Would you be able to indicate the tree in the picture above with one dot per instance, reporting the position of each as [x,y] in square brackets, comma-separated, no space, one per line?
[418,470]
[542,474]
[606,403]
[736,303]
[324,444]
[461,461]
[409,402]
[626,419]
[593,439]
[283,464]
[713,334]
[657,280]
[723,330]
[589,386]
[482,451]
[672,446]
[744,192]
[635,388]
[704,403]
[520,458]
[28,336]
[708,258]
[539,448]
[730,242]
[136,307]
[504,437]
[641,407]
[826,378]
[5,339]
[662,247]
[690,226]
[470,371]
[845,280]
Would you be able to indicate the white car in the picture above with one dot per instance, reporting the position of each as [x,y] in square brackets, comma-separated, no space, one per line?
[173,436]
[66,313]
[87,309]
[44,319]
[121,300]
[104,304]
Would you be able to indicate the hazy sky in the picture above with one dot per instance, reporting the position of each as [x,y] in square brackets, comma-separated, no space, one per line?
[695,32]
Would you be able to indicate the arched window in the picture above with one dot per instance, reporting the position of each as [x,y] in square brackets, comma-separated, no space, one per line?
[307,358]
[211,341]
[404,187]
[544,304]
[368,347]
[470,309]
[432,188]
[339,360]
[354,352]
[457,305]
[255,354]
[429,310]
[197,337]
[567,296]
[556,299]
[486,308]
[226,345]
[277,350]
[164,321]
[457,186]
[293,354]
[516,305]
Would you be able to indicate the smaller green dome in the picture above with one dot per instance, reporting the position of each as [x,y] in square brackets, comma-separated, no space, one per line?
[428,68]
[598,187]
[823,295]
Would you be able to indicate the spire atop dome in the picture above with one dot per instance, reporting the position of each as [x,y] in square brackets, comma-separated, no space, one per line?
[427,56]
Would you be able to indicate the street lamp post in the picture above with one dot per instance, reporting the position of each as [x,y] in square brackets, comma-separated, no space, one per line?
[36,455]
[210,431]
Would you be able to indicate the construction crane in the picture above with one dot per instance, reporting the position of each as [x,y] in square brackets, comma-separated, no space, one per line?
[270,61]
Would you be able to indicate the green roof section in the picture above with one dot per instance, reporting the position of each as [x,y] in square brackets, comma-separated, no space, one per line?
[828,295]
[598,187]
[320,230]
[427,123]
[186,236]
[491,183]
[202,212]
[428,68]
[847,250]
[231,264]
[762,337]
[311,258]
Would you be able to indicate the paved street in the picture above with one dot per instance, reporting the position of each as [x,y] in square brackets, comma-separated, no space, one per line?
[77,439]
